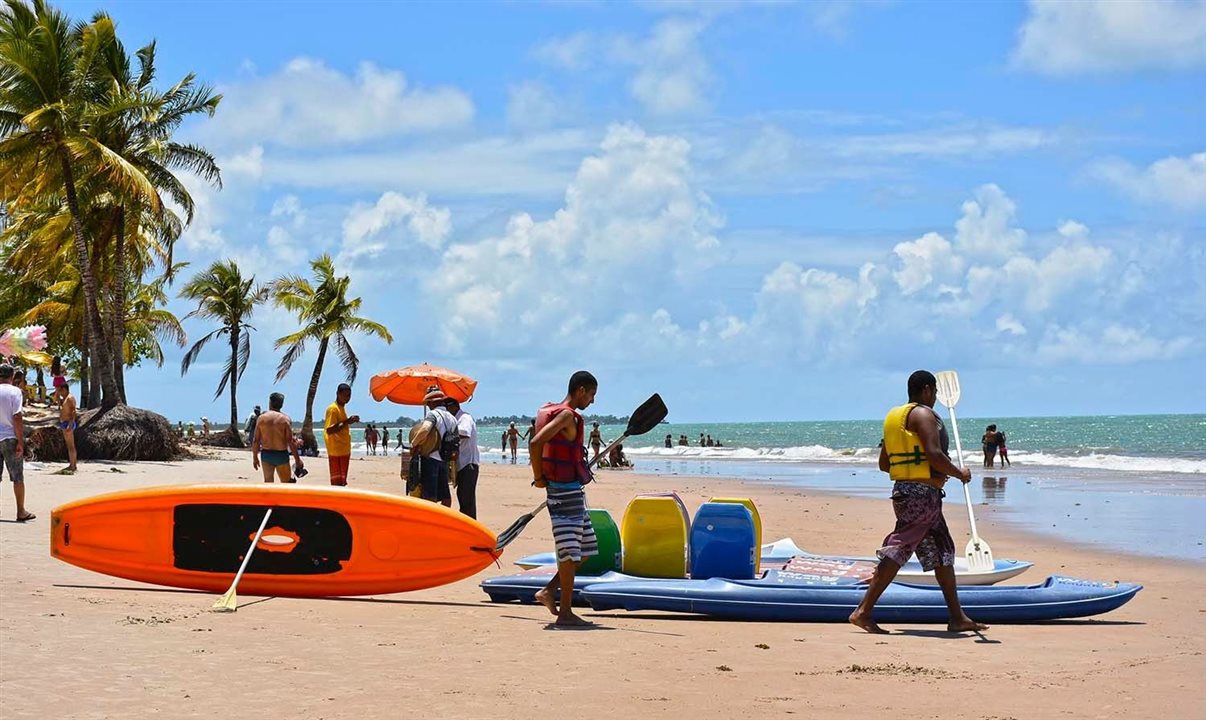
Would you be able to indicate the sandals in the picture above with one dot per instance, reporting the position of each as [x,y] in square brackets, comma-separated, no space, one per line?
[28,517]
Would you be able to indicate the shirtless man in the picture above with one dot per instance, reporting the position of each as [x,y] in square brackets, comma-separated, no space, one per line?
[273,442]
[559,466]
[68,420]
[596,440]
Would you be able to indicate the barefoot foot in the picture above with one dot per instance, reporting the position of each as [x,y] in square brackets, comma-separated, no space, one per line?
[572,620]
[545,598]
[865,622]
[965,624]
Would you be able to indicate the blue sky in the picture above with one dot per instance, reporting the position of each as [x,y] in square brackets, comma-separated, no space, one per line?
[760,210]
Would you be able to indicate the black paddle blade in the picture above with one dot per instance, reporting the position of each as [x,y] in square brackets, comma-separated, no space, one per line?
[647,416]
[506,537]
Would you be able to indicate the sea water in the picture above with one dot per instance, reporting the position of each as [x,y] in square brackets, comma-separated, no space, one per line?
[1135,483]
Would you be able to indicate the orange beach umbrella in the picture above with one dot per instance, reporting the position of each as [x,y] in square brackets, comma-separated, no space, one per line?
[408,385]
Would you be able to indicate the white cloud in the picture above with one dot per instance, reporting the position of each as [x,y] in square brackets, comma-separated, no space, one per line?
[411,219]
[952,141]
[671,76]
[924,259]
[307,104]
[1087,36]
[1175,181]
[632,229]
[985,228]
[249,163]
[531,106]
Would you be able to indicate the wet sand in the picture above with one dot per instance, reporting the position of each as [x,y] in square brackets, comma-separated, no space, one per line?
[75,644]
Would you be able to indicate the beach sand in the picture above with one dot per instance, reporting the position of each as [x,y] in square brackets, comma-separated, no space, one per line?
[75,644]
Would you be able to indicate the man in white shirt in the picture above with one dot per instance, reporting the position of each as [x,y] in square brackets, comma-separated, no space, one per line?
[433,469]
[12,439]
[467,460]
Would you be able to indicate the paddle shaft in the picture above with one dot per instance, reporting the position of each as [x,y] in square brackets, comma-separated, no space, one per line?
[247,558]
[971,516]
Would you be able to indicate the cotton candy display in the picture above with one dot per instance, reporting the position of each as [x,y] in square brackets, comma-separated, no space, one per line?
[25,342]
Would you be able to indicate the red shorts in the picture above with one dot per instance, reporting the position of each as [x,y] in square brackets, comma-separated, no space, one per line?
[338,465]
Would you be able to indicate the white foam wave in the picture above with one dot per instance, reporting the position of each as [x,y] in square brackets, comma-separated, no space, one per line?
[1106,461]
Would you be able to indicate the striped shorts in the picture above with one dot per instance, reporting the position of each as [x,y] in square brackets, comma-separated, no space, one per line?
[573,534]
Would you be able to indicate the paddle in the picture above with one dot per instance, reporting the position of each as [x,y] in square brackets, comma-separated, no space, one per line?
[643,419]
[229,602]
[979,555]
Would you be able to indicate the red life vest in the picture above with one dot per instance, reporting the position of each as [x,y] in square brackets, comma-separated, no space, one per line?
[562,460]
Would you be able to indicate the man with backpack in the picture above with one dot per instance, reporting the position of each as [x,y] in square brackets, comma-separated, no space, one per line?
[433,442]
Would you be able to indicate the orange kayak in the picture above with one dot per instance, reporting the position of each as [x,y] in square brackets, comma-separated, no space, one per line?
[318,542]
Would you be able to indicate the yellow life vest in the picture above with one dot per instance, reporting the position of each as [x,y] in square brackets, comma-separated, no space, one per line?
[906,456]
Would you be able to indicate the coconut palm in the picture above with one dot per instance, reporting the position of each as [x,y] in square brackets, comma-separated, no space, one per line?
[51,93]
[224,295]
[326,316]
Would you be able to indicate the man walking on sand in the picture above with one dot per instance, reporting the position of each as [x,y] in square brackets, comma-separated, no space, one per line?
[274,444]
[558,462]
[914,454]
[337,430]
[68,420]
[12,439]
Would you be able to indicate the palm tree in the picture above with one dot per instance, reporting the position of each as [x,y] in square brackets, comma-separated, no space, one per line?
[224,295]
[326,315]
[51,93]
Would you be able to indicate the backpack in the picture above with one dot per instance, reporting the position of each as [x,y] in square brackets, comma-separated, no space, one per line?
[425,438]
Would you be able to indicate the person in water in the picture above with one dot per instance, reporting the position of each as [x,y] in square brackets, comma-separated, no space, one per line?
[558,462]
[989,443]
[513,441]
[914,454]
[1002,451]
[273,443]
[669,441]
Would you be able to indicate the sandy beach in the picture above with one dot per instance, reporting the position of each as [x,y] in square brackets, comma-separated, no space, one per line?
[75,644]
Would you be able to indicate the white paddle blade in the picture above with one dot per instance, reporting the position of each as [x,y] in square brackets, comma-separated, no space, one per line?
[979,556]
[948,388]
[227,603]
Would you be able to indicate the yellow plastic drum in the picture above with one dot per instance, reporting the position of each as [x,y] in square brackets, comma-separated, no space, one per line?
[653,536]
[757,527]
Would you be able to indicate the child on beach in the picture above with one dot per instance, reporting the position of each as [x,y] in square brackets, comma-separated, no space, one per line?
[559,466]
[1002,451]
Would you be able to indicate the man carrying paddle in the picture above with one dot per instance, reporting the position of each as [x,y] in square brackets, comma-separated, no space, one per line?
[914,454]
[558,462]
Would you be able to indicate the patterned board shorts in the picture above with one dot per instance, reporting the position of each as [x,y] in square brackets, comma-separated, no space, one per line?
[10,460]
[573,534]
[920,527]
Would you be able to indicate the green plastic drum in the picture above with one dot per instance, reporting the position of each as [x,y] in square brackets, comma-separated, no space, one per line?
[608,534]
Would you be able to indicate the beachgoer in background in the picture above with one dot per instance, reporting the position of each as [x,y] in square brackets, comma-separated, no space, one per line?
[192,431]
[530,432]
[989,441]
[274,442]
[204,427]
[58,376]
[68,421]
[596,440]
[702,441]
[433,467]
[180,429]
[1002,450]
[468,460]
[337,429]
[616,457]
[513,439]
[669,441]
[504,444]
[683,441]
[12,439]
[385,441]
[710,443]
[250,427]
[718,444]
[917,501]
[559,466]
[27,392]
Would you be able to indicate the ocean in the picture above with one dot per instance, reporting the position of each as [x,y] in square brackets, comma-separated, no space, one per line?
[1132,483]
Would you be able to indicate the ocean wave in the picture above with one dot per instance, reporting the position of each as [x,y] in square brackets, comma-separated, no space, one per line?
[1108,461]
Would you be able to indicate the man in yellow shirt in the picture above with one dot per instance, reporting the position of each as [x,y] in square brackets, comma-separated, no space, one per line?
[336,428]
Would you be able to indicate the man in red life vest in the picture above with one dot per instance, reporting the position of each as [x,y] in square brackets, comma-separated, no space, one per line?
[558,461]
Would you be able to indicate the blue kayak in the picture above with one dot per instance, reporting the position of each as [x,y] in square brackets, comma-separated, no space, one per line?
[788,599]
[828,595]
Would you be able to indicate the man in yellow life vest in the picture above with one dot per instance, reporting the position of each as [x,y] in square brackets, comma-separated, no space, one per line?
[914,454]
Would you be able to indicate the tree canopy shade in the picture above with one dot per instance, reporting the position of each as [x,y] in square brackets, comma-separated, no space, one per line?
[326,315]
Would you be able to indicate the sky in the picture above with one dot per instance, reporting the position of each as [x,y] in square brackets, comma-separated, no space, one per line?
[763,211]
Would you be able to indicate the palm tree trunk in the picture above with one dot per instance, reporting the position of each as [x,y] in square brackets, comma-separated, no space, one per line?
[85,380]
[308,424]
[94,335]
[118,311]
[234,378]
